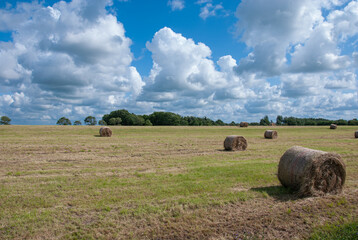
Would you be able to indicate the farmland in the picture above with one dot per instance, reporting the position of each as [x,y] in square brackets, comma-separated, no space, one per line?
[66,182]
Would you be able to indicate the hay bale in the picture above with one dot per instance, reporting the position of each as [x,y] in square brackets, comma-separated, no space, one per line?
[235,143]
[333,126]
[356,134]
[105,132]
[244,124]
[271,134]
[311,172]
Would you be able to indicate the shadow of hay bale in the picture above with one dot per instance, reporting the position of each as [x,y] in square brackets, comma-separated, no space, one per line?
[280,193]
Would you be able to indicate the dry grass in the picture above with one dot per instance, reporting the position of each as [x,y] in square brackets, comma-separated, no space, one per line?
[65,182]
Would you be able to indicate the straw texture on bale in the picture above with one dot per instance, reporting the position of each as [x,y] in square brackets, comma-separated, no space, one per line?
[105,132]
[311,172]
[356,134]
[272,134]
[333,126]
[235,143]
[244,124]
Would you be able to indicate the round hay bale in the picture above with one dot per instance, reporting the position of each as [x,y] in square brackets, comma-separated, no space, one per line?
[311,172]
[244,124]
[333,126]
[271,134]
[356,134]
[235,143]
[105,132]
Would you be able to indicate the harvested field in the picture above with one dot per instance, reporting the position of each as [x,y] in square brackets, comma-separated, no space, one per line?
[65,182]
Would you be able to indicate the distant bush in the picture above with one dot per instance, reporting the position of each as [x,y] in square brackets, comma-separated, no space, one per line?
[77,123]
[5,120]
[64,121]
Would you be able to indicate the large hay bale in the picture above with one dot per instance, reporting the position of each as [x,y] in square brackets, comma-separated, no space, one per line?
[271,134]
[244,124]
[333,126]
[356,134]
[105,132]
[235,143]
[311,172]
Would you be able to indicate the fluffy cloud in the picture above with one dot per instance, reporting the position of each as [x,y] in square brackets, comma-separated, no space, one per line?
[185,77]
[271,28]
[210,10]
[302,47]
[293,36]
[181,65]
[186,80]
[74,59]
[176,4]
[72,53]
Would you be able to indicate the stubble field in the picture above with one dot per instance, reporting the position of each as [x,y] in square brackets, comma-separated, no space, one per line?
[66,182]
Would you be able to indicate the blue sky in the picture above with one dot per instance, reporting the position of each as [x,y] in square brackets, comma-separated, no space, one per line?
[230,60]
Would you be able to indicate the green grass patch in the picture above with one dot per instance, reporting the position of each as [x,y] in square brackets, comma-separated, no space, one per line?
[346,231]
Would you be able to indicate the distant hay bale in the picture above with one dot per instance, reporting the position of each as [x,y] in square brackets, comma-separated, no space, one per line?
[271,134]
[311,172]
[105,132]
[333,126]
[235,143]
[273,124]
[356,134]
[244,124]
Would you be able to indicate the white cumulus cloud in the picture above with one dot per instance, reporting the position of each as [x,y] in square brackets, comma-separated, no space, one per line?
[176,5]
[69,53]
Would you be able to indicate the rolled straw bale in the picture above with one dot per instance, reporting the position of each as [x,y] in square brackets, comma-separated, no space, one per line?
[272,134]
[333,126]
[244,124]
[356,134]
[311,172]
[235,143]
[105,132]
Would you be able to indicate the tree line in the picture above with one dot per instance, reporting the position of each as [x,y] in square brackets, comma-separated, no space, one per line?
[90,120]
[125,118]
[293,121]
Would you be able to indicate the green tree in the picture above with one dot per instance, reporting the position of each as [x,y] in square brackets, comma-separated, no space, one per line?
[291,121]
[354,121]
[5,120]
[115,121]
[148,123]
[64,121]
[90,120]
[219,122]
[341,122]
[77,123]
[279,120]
[128,119]
[165,118]
[265,121]
[102,123]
